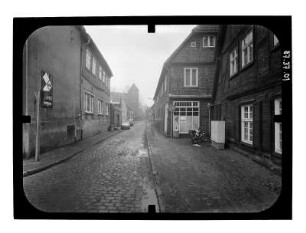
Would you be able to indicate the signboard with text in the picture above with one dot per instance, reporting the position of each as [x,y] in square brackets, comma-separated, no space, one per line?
[46,90]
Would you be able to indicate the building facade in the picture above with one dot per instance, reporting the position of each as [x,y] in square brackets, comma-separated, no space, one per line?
[95,90]
[247,91]
[115,115]
[127,112]
[54,61]
[132,99]
[185,84]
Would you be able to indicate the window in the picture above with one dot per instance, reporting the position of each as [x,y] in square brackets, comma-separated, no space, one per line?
[100,107]
[234,62]
[88,59]
[94,63]
[209,41]
[247,124]
[103,76]
[88,103]
[191,77]
[275,40]
[186,115]
[105,108]
[107,82]
[193,44]
[100,73]
[278,126]
[165,84]
[247,49]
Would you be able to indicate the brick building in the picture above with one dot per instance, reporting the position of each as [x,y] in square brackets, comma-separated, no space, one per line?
[186,83]
[65,60]
[247,91]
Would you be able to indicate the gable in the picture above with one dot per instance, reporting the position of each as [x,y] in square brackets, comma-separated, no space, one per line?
[197,54]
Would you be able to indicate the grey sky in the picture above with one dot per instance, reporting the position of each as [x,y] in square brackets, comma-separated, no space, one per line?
[136,56]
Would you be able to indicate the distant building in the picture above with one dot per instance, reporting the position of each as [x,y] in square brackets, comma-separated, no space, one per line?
[132,99]
[115,115]
[247,91]
[127,111]
[64,63]
[186,84]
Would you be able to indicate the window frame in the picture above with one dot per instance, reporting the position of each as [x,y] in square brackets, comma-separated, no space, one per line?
[250,124]
[91,110]
[88,58]
[100,107]
[210,44]
[103,76]
[94,66]
[197,76]
[193,44]
[233,59]
[100,72]
[244,47]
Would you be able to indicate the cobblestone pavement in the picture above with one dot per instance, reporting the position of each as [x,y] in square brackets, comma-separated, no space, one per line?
[112,176]
[203,179]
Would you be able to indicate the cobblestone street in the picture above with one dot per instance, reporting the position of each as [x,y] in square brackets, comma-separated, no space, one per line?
[203,179]
[116,176]
[112,176]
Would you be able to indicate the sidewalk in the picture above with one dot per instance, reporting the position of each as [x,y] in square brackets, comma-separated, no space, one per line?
[57,156]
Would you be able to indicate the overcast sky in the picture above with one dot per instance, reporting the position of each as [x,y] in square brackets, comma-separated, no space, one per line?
[136,56]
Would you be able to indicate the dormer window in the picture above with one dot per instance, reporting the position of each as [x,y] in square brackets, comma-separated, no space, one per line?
[193,44]
[209,41]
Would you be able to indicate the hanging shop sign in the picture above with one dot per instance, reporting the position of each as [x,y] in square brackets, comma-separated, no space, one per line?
[46,90]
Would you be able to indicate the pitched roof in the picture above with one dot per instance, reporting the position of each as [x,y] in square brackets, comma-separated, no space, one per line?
[86,35]
[198,29]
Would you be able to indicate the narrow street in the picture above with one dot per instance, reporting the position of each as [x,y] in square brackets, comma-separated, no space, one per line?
[116,176]
[113,176]
[203,179]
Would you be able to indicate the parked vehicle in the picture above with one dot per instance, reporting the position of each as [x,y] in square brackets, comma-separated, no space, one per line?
[131,121]
[198,137]
[125,125]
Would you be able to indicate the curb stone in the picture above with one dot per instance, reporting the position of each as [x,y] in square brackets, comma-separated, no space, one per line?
[155,177]
[40,169]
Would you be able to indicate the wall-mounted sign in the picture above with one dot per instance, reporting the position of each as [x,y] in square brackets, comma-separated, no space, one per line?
[46,90]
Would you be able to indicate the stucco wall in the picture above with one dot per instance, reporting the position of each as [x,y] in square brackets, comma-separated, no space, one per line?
[55,50]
